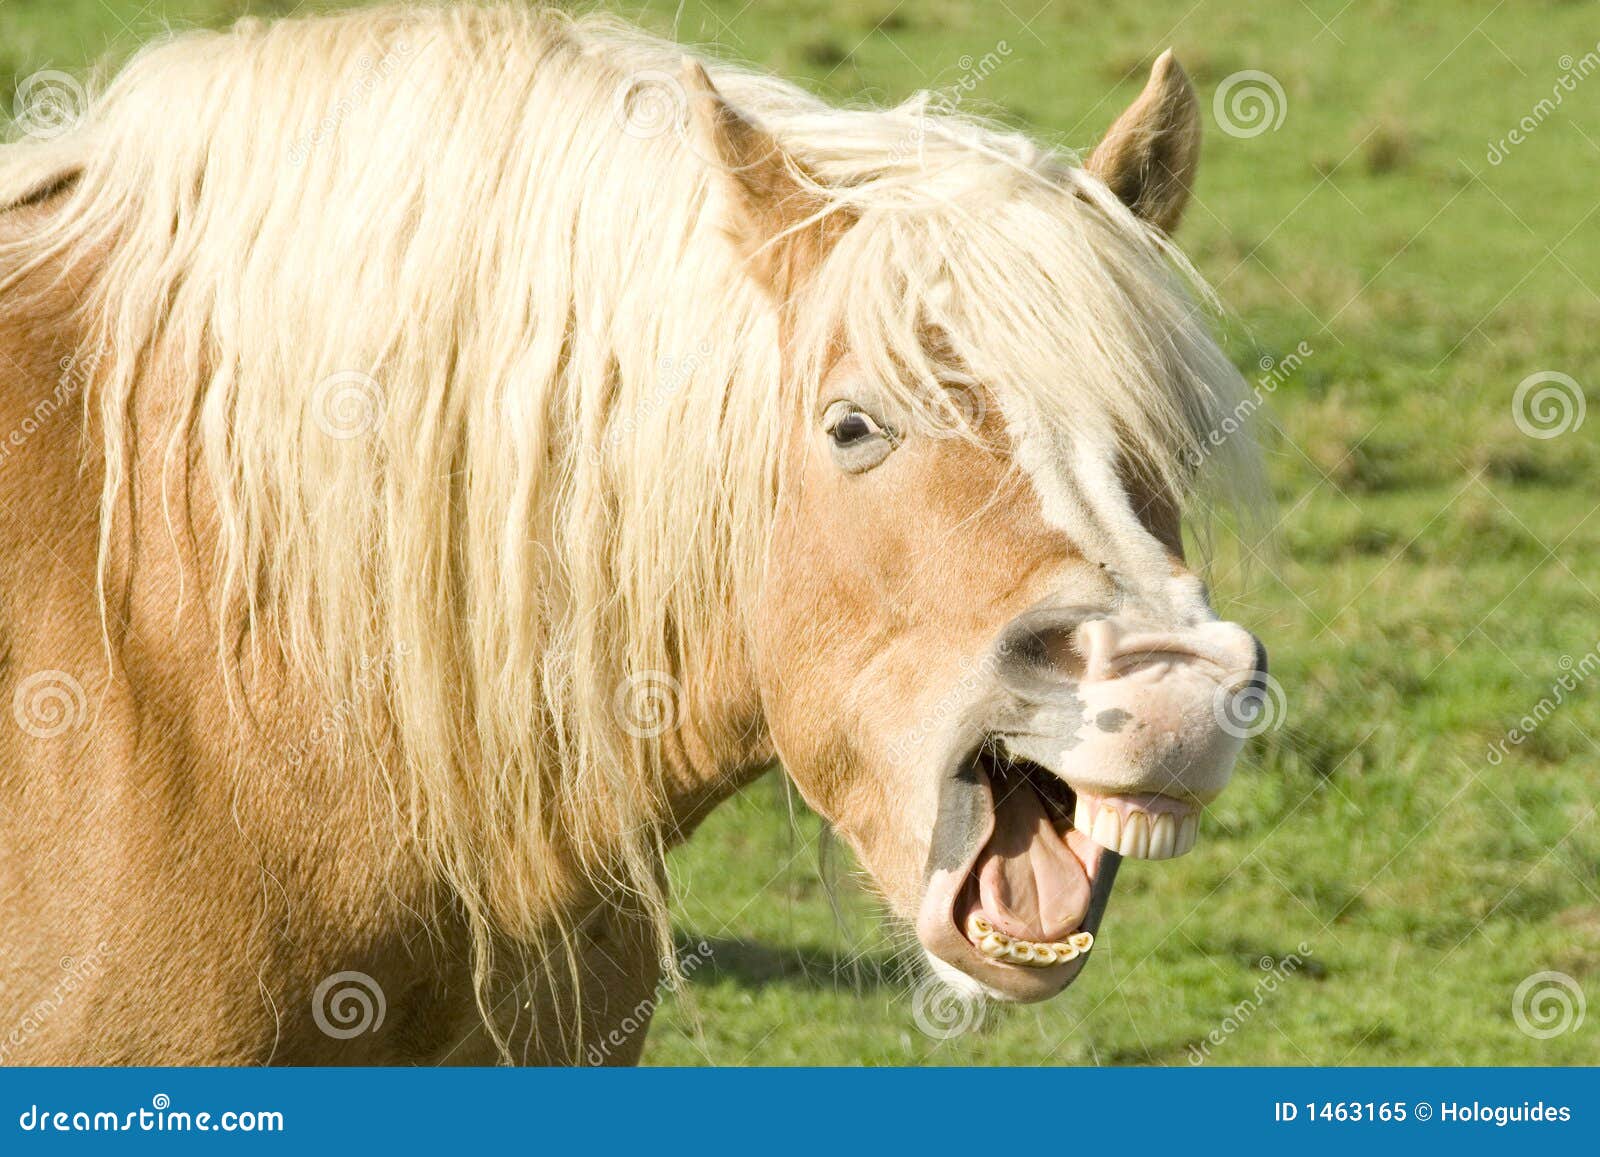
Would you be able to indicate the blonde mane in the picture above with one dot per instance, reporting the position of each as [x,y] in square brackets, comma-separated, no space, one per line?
[475,376]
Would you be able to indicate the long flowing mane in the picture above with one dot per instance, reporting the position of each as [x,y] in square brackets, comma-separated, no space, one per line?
[470,370]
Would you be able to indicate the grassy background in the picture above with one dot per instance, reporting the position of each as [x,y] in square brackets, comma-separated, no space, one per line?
[1431,574]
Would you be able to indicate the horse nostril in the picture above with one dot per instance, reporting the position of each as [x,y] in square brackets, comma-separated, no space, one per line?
[1258,681]
[1052,651]
[1043,644]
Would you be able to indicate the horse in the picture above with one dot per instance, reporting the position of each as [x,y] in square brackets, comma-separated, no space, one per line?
[450,450]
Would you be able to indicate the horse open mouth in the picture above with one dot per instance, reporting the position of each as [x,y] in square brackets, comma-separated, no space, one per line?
[1019,908]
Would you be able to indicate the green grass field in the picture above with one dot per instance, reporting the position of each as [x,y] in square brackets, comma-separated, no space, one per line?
[1431,576]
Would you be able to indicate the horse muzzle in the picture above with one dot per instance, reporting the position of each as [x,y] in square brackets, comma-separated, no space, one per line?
[1121,711]
[1109,740]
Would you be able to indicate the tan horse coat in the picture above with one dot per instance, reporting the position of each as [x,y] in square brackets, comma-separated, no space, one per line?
[187,861]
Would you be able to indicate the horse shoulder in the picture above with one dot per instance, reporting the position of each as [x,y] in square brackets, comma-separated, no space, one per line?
[145,818]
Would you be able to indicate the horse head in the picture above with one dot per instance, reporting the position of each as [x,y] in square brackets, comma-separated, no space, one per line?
[982,655]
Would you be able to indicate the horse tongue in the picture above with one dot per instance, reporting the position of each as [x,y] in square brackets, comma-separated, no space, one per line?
[1030,885]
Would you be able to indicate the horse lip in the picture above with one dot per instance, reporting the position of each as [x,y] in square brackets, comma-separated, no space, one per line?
[936,925]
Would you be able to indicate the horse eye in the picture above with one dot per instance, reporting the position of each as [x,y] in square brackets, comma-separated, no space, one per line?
[852,428]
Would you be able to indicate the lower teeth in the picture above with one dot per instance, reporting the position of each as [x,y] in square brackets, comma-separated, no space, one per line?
[1030,953]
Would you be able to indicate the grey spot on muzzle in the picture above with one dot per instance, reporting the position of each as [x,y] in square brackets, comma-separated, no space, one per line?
[1113,719]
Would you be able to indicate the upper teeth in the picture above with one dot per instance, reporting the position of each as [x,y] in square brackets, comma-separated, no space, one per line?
[1033,953]
[1133,830]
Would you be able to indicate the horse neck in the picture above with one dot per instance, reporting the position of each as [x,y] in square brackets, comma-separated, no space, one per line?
[722,742]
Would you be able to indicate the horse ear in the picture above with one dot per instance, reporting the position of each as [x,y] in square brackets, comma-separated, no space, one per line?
[1149,156]
[782,225]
